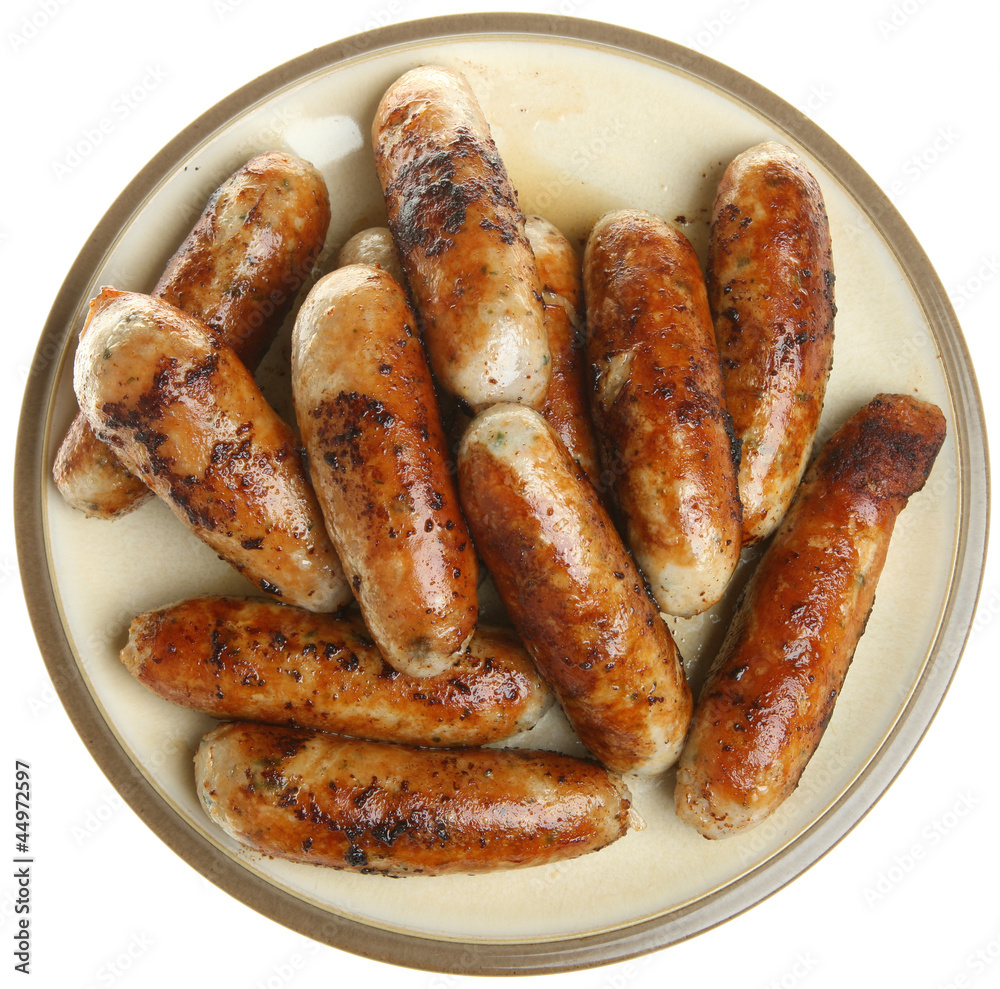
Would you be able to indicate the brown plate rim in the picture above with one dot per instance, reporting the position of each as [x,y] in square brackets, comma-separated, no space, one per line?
[524,957]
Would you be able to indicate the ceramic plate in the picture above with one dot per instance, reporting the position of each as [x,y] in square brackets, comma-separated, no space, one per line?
[656,133]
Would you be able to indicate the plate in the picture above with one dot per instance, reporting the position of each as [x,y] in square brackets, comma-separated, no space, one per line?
[657,134]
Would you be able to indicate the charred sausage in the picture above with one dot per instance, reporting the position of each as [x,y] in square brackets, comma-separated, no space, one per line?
[394,810]
[572,591]
[773,686]
[184,414]
[238,270]
[368,415]
[251,659]
[659,408]
[770,286]
[566,407]
[454,216]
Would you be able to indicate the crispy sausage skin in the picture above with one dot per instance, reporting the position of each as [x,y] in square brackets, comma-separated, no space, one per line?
[460,233]
[770,286]
[773,685]
[183,413]
[566,407]
[373,246]
[238,270]
[91,478]
[252,659]
[572,591]
[394,810]
[659,408]
[369,420]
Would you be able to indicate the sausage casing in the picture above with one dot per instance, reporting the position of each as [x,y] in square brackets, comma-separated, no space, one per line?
[773,686]
[184,414]
[251,659]
[659,408]
[770,286]
[366,408]
[566,407]
[454,216]
[394,810]
[572,591]
[373,246]
[238,271]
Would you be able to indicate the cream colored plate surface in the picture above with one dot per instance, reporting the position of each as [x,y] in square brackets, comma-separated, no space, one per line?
[650,136]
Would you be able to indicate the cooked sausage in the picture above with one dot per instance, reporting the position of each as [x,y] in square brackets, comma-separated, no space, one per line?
[183,413]
[373,246]
[394,810]
[238,271]
[770,286]
[91,478]
[774,683]
[572,591]
[659,408]
[566,407]
[454,216]
[252,659]
[368,415]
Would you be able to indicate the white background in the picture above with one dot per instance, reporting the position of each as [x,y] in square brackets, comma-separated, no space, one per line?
[908,88]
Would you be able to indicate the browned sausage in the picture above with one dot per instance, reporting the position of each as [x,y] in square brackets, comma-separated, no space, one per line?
[659,407]
[373,246]
[184,414]
[373,807]
[770,286]
[567,407]
[773,685]
[238,271]
[90,476]
[368,416]
[257,660]
[454,216]
[572,591]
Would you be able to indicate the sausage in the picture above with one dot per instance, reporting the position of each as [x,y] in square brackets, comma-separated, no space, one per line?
[774,683]
[183,413]
[572,591]
[368,415]
[238,270]
[566,407]
[659,408]
[395,810]
[770,287]
[373,246]
[251,659]
[454,216]
[91,478]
